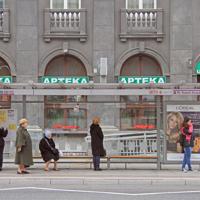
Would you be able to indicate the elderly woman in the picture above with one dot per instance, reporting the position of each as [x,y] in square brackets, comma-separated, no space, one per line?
[24,157]
[97,143]
[48,150]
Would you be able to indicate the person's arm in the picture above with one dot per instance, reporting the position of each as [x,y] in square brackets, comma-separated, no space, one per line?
[21,140]
[43,146]
[100,133]
[5,132]
[53,144]
[187,131]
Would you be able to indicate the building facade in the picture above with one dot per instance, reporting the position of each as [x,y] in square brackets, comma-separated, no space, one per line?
[103,41]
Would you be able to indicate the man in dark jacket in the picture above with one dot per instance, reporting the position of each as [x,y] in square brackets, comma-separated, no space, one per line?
[97,143]
[3,134]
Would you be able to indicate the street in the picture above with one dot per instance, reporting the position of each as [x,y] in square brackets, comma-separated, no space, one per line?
[108,184]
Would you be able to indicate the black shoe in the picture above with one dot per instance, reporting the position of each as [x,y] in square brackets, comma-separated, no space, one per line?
[190,170]
[98,169]
[0,169]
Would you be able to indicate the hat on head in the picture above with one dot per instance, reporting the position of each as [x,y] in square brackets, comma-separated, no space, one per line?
[23,121]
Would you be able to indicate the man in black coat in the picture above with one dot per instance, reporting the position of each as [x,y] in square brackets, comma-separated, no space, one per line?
[3,134]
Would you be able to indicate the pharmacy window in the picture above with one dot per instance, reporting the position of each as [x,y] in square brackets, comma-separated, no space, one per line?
[65,4]
[141,4]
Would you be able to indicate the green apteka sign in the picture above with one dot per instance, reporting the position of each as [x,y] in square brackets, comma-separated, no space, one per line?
[197,68]
[142,79]
[6,79]
[65,79]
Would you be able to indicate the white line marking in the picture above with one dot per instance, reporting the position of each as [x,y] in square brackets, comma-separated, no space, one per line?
[99,192]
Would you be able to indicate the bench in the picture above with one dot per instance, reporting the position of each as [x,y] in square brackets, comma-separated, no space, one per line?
[130,159]
[106,160]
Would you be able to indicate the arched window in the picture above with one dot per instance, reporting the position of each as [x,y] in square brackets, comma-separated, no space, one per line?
[140,111]
[65,112]
[5,100]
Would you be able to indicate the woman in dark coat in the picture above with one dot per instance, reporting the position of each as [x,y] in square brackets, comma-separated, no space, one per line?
[48,150]
[24,157]
[3,134]
[97,143]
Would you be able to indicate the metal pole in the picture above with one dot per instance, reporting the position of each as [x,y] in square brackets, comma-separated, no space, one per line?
[24,105]
[158,113]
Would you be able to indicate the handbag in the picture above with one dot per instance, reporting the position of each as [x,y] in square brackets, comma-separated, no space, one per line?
[54,150]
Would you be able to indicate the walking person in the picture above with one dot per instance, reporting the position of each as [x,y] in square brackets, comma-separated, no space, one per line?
[187,143]
[24,157]
[48,150]
[3,134]
[97,143]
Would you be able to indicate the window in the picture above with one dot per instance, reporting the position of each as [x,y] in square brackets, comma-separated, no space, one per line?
[2,3]
[65,4]
[60,115]
[139,114]
[141,4]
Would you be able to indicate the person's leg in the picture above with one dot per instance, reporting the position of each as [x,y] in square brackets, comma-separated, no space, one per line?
[94,162]
[55,166]
[1,157]
[184,160]
[187,150]
[21,168]
[189,158]
[46,168]
[98,162]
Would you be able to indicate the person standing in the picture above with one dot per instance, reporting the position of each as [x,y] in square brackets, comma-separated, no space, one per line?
[48,150]
[3,134]
[97,143]
[24,157]
[187,143]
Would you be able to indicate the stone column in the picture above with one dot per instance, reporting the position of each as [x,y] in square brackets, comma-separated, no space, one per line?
[27,54]
[103,47]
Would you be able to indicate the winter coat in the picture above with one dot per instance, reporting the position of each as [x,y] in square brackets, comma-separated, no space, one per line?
[23,140]
[187,136]
[3,134]
[97,140]
[46,150]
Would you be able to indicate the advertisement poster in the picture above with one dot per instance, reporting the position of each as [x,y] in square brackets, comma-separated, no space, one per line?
[174,120]
[8,119]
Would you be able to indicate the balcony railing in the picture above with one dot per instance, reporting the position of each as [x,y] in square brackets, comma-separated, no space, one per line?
[141,23]
[65,23]
[5,24]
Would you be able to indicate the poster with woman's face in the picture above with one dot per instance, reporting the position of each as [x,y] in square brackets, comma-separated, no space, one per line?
[174,120]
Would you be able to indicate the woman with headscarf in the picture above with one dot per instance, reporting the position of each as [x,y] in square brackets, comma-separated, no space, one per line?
[24,157]
[48,150]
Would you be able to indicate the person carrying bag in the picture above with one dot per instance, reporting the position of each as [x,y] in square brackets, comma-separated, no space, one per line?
[48,150]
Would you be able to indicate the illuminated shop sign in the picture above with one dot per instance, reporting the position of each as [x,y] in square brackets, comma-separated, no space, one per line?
[142,79]
[5,79]
[65,80]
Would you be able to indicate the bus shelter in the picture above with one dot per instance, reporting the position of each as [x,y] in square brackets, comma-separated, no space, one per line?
[137,120]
